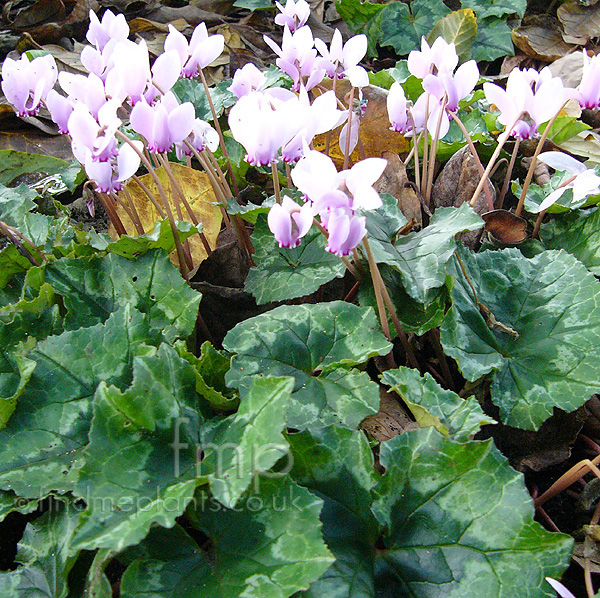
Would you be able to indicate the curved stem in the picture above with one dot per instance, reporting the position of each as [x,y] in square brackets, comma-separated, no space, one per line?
[486,188]
[538,149]
[344,259]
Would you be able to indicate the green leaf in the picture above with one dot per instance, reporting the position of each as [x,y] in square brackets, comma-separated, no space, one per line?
[578,233]
[432,405]
[421,257]
[493,40]
[14,164]
[460,523]
[44,556]
[337,465]
[251,211]
[11,262]
[191,90]
[247,444]
[564,128]
[210,369]
[40,448]
[355,13]
[283,273]
[553,304]
[140,464]
[304,340]
[131,247]
[253,4]
[458,28]
[495,8]
[269,546]
[402,27]
[16,203]
[93,288]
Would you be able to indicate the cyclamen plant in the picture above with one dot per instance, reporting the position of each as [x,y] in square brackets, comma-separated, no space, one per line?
[277,128]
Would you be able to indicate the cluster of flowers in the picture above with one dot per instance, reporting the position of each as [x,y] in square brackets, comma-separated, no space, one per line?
[120,78]
[272,124]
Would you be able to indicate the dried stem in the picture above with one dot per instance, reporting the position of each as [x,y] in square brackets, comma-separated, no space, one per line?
[276,187]
[538,149]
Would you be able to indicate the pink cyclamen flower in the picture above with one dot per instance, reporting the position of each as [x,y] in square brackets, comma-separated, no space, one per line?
[342,59]
[112,27]
[202,136]
[109,176]
[528,101]
[85,90]
[60,109]
[247,79]
[346,230]
[289,222]
[164,124]
[199,53]
[397,108]
[129,71]
[317,177]
[584,182]
[453,87]
[294,15]
[26,83]
[93,138]
[589,88]
[439,57]
[298,58]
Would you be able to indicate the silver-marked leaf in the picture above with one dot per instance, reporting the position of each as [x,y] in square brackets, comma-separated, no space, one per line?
[459,522]
[270,546]
[140,464]
[337,465]
[286,273]
[578,233]
[249,443]
[94,288]
[304,340]
[40,448]
[432,405]
[421,257]
[44,556]
[537,334]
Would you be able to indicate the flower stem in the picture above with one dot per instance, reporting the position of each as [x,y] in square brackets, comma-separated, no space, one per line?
[163,196]
[351,268]
[276,187]
[219,131]
[538,149]
[486,188]
[151,197]
[432,155]
[511,165]
[17,238]
[348,129]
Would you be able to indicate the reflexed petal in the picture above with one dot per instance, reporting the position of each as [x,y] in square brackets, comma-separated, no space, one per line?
[585,184]
[315,175]
[354,50]
[280,224]
[101,173]
[552,198]
[60,110]
[83,127]
[176,41]
[128,160]
[562,591]
[357,76]
[181,121]
[142,120]
[166,70]
[561,161]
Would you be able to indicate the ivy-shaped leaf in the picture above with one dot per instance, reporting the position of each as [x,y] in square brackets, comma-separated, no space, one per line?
[40,448]
[337,465]
[249,443]
[459,522]
[140,464]
[578,233]
[269,546]
[432,405]
[93,288]
[304,340]
[44,556]
[286,273]
[421,257]
[537,334]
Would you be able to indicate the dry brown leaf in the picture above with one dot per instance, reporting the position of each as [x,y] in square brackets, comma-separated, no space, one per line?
[504,228]
[375,135]
[543,42]
[578,21]
[199,194]
[390,421]
[569,68]
[394,181]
